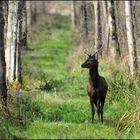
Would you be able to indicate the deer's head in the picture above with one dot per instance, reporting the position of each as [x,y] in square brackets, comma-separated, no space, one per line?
[91,62]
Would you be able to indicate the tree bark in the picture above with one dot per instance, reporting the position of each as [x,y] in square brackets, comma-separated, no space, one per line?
[84,21]
[5,19]
[131,40]
[29,14]
[113,39]
[73,13]
[98,37]
[14,42]
[3,87]
[18,78]
[11,41]
[24,27]
[105,13]
[34,12]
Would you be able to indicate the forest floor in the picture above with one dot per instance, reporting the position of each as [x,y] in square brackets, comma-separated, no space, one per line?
[58,106]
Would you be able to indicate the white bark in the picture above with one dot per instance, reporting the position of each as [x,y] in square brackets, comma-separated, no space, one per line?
[131,40]
[113,39]
[105,13]
[13,41]
[10,42]
[98,39]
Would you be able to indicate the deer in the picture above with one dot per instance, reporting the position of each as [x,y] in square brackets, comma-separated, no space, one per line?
[97,86]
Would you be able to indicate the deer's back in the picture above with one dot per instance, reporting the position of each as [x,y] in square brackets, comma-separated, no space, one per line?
[100,90]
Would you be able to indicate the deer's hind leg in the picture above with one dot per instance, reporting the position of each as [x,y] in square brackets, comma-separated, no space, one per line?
[102,106]
[99,109]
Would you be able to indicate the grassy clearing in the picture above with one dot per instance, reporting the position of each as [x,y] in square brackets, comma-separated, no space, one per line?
[54,103]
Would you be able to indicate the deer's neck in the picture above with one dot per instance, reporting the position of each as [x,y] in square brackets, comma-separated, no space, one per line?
[94,75]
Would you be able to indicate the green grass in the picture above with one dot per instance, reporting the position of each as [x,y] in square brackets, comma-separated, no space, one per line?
[55,103]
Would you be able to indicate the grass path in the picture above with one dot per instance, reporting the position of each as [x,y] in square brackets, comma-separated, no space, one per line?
[65,110]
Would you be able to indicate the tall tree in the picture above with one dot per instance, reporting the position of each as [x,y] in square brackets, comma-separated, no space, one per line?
[34,12]
[98,37]
[84,20]
[3,87]
[106,26]
[73,13]
[5,18]
[29,13]
[24,26]
[19,43]
[131,40]
[14,41]
[11,41]
[113,39]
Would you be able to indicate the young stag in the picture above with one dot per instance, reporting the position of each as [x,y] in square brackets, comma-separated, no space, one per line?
[97,86]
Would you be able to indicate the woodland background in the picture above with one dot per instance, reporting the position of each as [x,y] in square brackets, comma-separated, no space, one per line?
[42,85]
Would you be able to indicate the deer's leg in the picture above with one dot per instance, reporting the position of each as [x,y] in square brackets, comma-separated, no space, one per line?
[92,108]
[99,109]
[95,101]
[102,105]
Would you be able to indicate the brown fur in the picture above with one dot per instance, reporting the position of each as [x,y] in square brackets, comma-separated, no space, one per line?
[100,91]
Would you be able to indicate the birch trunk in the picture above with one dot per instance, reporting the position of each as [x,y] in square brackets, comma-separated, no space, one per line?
[113,41]
[131,40]
[14,42]
[10,42]
[3,87]
[98,38]
[73,13]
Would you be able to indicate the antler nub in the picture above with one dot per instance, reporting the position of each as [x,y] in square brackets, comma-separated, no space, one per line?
[98,50]
[87,54]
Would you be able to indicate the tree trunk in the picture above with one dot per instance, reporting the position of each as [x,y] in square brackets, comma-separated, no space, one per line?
[131,40]
[84,21]
[3,87]
[98,37]
[34,12]
[113,39]
[24,27]
[14,42]
[105,13]
[29,14]
[5,19]
[44,11]
[11,41]
[73,13]
[18,78]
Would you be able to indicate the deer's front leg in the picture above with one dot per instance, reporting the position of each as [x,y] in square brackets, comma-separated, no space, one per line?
[92,108]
